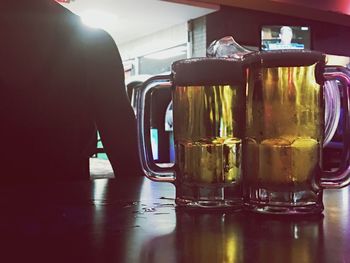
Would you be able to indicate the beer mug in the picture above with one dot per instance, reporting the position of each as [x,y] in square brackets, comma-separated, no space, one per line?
[285,131]
[208,112]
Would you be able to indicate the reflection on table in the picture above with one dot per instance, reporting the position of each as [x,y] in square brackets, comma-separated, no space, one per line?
[135,220]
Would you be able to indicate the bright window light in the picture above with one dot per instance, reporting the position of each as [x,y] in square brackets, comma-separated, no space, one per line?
[98,19]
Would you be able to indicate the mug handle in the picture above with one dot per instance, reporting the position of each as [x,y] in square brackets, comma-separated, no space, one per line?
[150,168]
[340,177]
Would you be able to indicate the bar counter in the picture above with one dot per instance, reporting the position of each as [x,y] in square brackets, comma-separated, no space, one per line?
[135,220]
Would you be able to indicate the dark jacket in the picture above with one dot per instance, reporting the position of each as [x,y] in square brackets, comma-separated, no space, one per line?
[59,82]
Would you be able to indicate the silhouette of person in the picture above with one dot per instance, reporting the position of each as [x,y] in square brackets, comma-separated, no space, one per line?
[60,82]
[286,35]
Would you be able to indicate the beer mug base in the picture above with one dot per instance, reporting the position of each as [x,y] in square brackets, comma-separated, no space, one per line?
[303,202]
[209,197]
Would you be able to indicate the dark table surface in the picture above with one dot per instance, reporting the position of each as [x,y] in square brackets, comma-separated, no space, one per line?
[135,220]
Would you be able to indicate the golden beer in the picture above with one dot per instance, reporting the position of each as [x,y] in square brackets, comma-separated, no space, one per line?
[281,163]
[210,162]
[208,106]
[284,102]
[208,148]
[283,140]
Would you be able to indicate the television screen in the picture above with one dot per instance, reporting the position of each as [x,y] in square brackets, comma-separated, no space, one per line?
[275,37]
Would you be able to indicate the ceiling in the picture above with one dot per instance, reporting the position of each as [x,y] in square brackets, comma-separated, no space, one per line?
[332,11]
[126,20]
[337,6]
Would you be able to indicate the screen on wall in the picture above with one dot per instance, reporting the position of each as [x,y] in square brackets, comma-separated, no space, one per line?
[275,37]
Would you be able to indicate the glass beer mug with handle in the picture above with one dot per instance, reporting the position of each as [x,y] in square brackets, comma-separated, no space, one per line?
[285,131]
[208,121]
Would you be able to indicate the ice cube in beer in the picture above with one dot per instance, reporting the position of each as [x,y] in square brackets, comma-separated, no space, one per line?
[251,160]
[201,163]
[232,152]
[210,161]
[210,168]
[305,157]
[275,159]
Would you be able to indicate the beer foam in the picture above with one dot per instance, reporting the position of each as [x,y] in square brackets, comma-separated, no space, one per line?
[284,58]
[207,71]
